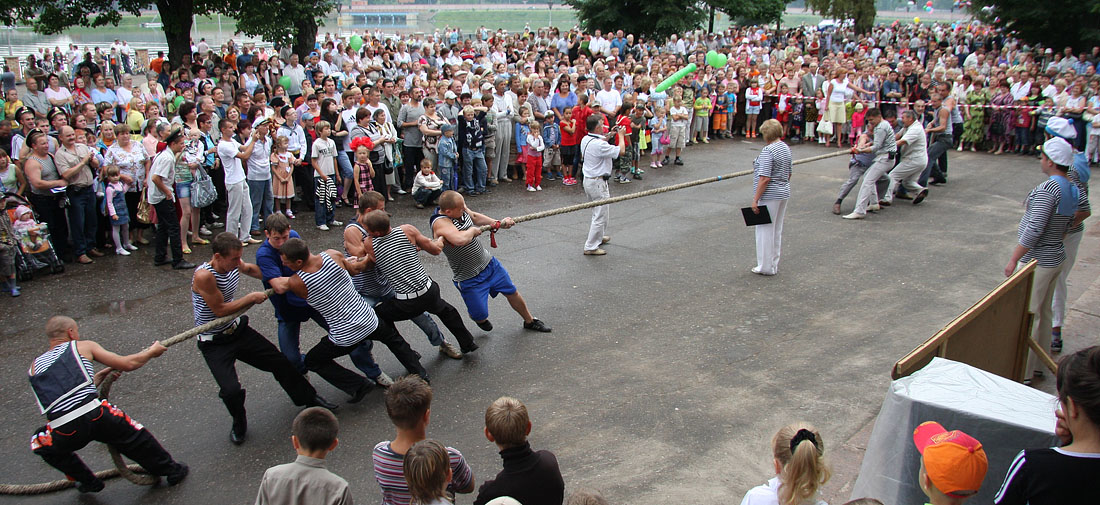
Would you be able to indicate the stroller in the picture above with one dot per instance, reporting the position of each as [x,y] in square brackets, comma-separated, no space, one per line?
[35,252]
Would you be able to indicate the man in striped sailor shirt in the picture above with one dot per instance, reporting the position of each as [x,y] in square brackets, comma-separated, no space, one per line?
[477,274]
[1049,213]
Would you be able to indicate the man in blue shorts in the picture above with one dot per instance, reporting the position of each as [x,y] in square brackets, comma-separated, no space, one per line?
[477,274]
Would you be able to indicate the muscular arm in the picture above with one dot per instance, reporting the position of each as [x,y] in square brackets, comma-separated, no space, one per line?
[251,270]
[207,287]
[352,265]
[433,247]
[445,229]
[355,242]
[93,351]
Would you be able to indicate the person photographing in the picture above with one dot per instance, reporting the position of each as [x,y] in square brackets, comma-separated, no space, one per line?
[596,155]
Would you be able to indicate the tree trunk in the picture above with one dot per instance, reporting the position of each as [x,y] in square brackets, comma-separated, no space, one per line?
[306,37]
[176,16]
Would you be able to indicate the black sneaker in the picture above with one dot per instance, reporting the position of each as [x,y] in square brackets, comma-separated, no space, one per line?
[485,325]
[183,265]
[94,486]
[1056,345]
[678,161]
[320,401]
[238,431]
[537,325]
[175,478]
[920,196]
[361,392]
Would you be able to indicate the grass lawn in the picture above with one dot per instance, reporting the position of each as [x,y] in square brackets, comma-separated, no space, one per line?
[511,20]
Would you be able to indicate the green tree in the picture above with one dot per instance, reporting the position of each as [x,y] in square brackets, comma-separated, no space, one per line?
[652,18]
[255,19]
[752,12]
[860,12]
[1053,23]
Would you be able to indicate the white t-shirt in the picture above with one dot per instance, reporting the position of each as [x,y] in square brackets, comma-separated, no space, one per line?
[680,111]
[610,100]
[768,494]
[164,165]
[326,151]
[60,94]
[227,152]
[259,164]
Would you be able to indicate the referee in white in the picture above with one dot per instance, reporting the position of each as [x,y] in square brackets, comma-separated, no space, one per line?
[596,155]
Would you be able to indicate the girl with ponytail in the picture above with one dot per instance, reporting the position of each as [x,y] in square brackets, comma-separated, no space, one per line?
[800,469]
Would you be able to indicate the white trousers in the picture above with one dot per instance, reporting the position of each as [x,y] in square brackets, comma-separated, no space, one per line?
[1042,291]
[868,193]
[769,237]
[238,219]
[1072,242]
[906,174]
[596,189]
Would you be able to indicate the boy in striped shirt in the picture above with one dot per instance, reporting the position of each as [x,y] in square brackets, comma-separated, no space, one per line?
[408,403]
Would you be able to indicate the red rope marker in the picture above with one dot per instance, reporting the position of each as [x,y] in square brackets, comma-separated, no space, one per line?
[493,233]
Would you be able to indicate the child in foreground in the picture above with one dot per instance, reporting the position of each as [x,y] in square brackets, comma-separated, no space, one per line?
[800,470]
[531,477]
[306,480]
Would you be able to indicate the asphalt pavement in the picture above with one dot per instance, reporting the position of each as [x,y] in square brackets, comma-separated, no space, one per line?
[670,365]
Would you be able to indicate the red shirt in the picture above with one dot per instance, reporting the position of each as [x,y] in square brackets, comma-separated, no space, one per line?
[569,139]
[581,115]
[623,121]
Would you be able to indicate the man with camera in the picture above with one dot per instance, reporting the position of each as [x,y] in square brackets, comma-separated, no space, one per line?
[596,154]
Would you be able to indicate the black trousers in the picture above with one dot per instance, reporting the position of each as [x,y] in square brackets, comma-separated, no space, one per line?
[249,347]
[51,212]
[396,309]
[321,358]
[303,178]
[107,424]
[410,165]
[168,231]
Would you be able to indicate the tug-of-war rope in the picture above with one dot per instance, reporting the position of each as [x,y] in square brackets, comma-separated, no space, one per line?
[134,473]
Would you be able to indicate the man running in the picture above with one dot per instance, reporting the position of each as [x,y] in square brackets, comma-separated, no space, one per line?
[322,280]
[394,251]
[477,274]
[65,388]
[214,295]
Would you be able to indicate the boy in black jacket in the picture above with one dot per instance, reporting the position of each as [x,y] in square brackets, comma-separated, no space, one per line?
[531,477]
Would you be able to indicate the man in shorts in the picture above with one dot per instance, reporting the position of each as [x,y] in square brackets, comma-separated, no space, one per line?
[477,274]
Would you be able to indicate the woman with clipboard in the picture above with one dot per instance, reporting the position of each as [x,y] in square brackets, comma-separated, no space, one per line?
[771,190]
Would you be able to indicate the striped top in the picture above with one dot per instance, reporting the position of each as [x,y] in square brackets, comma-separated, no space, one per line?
[62,380]
[397,259]
[330,291]
[390,473]
[1051,476]
[774,161]
[1042,228]
[1083,198]
[370,282]
[469,260]
[227,284]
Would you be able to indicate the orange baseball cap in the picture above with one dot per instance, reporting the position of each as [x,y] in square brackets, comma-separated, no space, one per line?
[954,461]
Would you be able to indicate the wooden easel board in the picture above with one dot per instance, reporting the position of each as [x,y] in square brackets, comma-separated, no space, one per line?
[991,335]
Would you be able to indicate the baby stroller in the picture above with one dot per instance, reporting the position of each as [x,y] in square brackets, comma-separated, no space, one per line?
[35,252]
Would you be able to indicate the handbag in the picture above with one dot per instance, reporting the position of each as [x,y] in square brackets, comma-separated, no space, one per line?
[145,211]
[203,192]
[666,139]
[825,128]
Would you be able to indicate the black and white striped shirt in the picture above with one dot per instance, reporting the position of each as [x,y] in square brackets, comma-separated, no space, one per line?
[1042,228]
[330,291]
[371,282]
[227,284]
[399,261]
[469,260]
[773,162]
[76,389]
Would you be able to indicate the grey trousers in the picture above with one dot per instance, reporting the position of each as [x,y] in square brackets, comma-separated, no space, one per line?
[499,168]
[855,171]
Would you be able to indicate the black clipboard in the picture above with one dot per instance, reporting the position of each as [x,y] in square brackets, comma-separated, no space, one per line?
[753,219]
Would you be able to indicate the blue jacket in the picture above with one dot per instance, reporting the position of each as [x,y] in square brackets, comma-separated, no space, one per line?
[447,150]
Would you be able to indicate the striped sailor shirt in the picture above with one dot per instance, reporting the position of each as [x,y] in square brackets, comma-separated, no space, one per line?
[397,259]
[467,261]
[227,284]
[370,282]
[774,162]
[1042,228]
[330,291]
[67,389]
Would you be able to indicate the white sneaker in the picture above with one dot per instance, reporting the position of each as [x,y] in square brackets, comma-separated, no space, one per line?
[874,206]
[323,227]
[383,380]
[290,213]
[337,223]
[130,247]
[855,216]
[203,230]
[538,188]
[122,252]
[531,188]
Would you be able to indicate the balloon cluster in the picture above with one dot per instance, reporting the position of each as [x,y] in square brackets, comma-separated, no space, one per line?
[928,6]
[714,59]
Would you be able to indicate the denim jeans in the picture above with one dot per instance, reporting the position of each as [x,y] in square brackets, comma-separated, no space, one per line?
[263,201]
[290,338]
[82,219]
[474,169]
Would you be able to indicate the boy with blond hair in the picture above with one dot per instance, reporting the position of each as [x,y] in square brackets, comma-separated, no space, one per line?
[409,406]
[531,477]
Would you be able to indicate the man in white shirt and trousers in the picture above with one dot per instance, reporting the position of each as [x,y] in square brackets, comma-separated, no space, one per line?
[596,155]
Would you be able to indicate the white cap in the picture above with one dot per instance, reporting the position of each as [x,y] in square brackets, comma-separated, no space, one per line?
[503,500]
[1061,127]
[1059,151]
[449,95]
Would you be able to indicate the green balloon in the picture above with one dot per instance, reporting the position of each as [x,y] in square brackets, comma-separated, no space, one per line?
[716,60]
[178,101]
[674,78]
[356,42]
[284,81]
